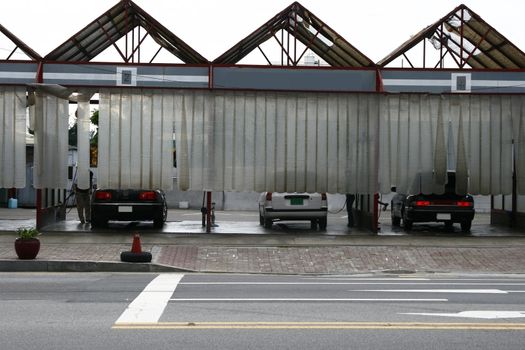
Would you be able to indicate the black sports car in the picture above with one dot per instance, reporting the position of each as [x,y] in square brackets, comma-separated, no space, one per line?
[128,205]
[448,207]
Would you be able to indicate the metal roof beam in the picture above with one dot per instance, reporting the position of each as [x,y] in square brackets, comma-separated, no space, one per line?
[112,42]
[473,57]
[267,60]
[283,49]
[410,63]
[12,52]
[137,47]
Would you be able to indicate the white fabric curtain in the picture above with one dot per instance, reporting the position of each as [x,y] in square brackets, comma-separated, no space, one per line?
[135,139]
[310,142]
[12,137]
[51,141]
[423,136]
[518,128]
[259,141]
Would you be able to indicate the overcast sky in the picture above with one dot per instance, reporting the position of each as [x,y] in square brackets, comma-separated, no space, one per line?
[212,27]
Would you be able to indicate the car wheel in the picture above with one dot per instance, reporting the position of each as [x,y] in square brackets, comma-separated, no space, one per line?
[466,225]
[407,224]
[322,223]
[98,222]
[165,213]
[268,223]
[158,222]
[313,224]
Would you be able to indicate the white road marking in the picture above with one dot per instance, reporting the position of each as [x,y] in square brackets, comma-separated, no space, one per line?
[364,279]
[464,291]
[349,283]
[475,314]
[298,299]
[150,304]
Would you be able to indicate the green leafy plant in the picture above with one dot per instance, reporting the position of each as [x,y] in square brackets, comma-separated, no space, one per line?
[27,232]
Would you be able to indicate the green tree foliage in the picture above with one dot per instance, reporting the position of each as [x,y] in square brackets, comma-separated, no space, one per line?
[94,135]
[73,131]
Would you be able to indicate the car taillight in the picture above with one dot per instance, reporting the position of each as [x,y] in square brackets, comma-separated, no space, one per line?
[268,196]
[464,204]
[103,195]
[148,196]
[422,203]
[323,196]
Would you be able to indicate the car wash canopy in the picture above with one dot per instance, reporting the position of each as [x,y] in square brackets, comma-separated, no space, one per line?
[351,127]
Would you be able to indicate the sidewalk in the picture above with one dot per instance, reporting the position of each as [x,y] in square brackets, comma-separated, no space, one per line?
[288,250]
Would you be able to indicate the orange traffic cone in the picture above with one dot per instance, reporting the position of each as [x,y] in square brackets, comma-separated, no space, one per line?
[135,247]
[136,254]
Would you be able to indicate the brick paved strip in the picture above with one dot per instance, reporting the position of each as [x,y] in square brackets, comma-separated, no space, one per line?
[76,252]
[342,260]
[298,260]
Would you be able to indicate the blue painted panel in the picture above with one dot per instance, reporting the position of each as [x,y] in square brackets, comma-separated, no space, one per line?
[460,81]
[17,73]
[293,79]
[126,76]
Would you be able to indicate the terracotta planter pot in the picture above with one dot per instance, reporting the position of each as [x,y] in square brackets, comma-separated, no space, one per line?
[27,248]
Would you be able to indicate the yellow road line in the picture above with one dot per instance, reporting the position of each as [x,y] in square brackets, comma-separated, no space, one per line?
[321,325]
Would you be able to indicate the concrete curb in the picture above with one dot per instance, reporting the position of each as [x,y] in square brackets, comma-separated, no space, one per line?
[82,266]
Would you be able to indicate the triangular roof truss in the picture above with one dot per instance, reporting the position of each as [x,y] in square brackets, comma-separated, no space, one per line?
[467,39]
[120,21]
[304,26]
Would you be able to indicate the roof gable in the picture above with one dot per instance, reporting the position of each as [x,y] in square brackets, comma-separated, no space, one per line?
[115,24]
[309,30]
[468,39]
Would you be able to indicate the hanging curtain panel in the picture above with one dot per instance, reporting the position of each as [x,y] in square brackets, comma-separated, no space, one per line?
[12,137]
[258,141]
[424,136]
[135,139]
[484,143]
[412,152]
[518,128]
[51,142]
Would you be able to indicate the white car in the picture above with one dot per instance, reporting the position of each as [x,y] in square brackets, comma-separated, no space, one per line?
[312,207]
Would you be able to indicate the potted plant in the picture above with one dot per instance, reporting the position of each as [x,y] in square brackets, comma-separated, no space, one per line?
[27,245]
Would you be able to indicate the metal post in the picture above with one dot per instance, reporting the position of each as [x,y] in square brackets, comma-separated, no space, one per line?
[39,213]
[213,214]
[441,46]
[461,61]
[514,189]
[375,224]
[208,212]
[424,52]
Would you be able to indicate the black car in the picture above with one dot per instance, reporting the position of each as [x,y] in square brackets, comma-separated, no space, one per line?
[128,205]
[448,207]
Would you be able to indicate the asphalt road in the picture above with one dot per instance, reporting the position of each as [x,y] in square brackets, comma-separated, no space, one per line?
[211,311]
